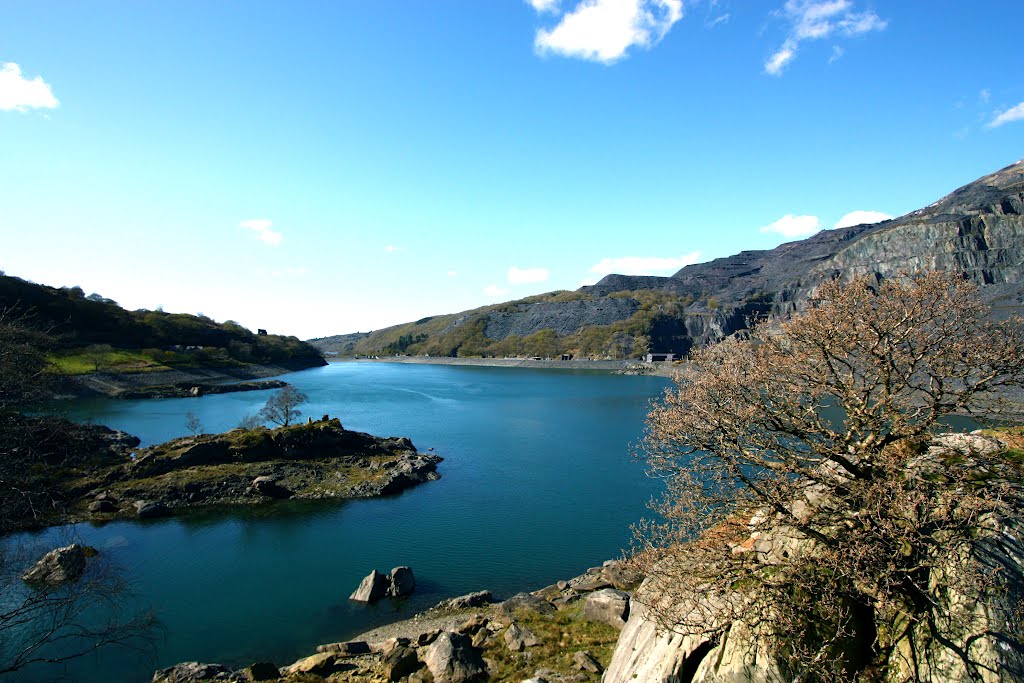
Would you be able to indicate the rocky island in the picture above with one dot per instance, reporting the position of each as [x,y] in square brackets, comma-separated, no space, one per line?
[109,477]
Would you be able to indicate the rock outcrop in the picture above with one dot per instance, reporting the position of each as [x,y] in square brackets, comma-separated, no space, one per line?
[399,583]
[59,566]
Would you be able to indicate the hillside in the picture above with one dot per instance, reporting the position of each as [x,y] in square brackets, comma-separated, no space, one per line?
[92,334]
[977,230]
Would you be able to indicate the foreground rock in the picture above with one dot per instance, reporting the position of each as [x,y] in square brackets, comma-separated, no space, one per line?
[453,659]
[60,565]
[608,605]
[196,672]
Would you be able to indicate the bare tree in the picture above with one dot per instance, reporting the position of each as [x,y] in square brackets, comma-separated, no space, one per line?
[193,423]
[282,407]
[52,624]
[802,500]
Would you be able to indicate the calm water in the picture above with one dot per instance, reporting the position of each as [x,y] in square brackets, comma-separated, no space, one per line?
[537,485]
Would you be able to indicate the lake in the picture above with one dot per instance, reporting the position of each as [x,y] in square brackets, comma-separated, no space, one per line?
[537,485]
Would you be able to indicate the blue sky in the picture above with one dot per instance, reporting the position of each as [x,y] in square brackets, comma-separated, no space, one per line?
[326,167]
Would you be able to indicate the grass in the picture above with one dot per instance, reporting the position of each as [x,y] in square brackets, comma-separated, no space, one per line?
[562,634]
[86,361]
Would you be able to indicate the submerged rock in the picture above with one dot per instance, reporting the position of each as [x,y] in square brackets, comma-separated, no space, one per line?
[401,582]
[60,565]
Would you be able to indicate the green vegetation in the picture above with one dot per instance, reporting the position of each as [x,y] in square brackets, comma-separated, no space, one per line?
[562,635]
[465,334]
[92,334]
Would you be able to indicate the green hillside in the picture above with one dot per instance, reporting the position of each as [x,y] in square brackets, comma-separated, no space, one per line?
[92,333]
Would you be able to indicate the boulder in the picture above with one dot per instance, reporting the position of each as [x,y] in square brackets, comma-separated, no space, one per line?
[149,509]
[399,663]
[372,588]
[527,601]
[346,649]
[60,565]
[426,638]
[453,659]
[104,505]
[322,664]
[261,671]
[401,582]
[472,625]
[270,487]
[584,661]
[518,638]
[196,672]
[608,605]
[477,599]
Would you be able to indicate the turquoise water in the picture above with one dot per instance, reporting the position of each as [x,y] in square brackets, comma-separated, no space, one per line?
[537,485]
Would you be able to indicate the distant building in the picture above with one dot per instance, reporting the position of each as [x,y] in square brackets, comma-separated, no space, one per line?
[566,356]
[658,357]
[261,331]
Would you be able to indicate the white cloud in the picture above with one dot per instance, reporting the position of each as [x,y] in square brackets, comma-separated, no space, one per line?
[544,5]
[791,226]
[985,95]
[837,54]
[644,265]
[18,93]
[391,249]
[720,19]
[1008,116]
[816,20]
[522,276]
[604,30]
[495,292]
[452,273]
[260,228]
[861,217]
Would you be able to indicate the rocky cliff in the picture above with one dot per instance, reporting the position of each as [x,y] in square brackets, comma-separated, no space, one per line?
[978,230]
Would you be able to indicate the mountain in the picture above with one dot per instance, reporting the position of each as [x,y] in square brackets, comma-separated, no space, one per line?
[977,230]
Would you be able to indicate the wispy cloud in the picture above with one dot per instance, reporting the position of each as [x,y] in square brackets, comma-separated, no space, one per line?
[453,273]
[862,217]
[644,265]
[985,95]
[544,5]
[495,292]
[791,226]
[391,249]
[261,230]
[523,276]
[817,20]
[604,30]
[720,19]
[1008,116]
[18,93]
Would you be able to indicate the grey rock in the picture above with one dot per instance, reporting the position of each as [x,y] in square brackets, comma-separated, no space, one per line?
[372,588]
[150,509]
[322,664]
[270,487]
[527,601]
[518,638]
[345,649]
[453,659]
[196,672]
[59,566]
[104,505]
[477,599]
[585,661]
[608,605]
[399,663]
[261,671]
[401,582]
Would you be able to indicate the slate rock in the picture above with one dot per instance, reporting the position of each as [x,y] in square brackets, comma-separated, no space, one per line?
[372,588]
[608,605]
[477,599]
[150,509]
[527,601]
[399,663]
[584,661]
[195,672]
[261,671]
[453,659]
[518,638]
[401,582]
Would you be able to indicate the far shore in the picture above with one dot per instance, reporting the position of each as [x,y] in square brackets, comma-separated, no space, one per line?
[631,367]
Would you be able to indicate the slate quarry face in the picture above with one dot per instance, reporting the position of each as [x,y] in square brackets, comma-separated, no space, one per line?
[562,317]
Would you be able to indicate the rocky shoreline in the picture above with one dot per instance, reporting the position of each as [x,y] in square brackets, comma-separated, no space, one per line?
[154,384]
[618,367]
[561,633]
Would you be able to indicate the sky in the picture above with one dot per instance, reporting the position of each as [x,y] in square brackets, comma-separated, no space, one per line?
[333,166]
